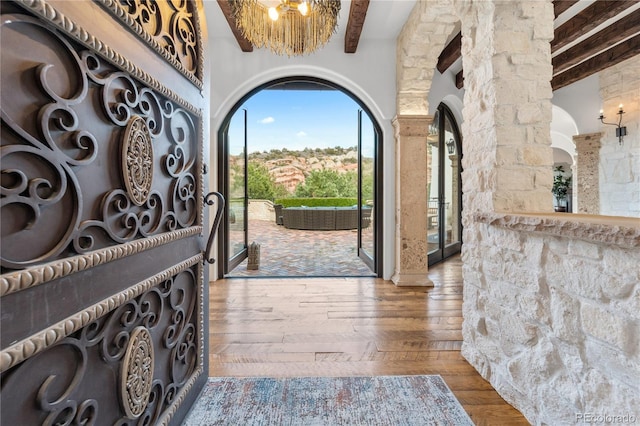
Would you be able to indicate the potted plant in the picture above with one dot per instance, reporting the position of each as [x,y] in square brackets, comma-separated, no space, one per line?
[560,188]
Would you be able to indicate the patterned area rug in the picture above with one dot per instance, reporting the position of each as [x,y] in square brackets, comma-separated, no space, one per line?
[386,400]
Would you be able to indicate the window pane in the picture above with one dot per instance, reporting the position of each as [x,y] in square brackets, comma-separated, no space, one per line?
[237,190]
[451,195]
[433,182]
[368,200]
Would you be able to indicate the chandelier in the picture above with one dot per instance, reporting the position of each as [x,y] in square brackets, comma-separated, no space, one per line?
[292,27]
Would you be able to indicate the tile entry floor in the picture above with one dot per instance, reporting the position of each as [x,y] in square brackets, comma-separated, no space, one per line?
[299,253]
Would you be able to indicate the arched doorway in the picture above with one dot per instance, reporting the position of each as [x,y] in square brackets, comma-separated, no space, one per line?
[444,186]
[563,129]
[234,174]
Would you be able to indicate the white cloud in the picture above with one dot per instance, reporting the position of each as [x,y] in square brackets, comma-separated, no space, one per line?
[267,120]
[301,134]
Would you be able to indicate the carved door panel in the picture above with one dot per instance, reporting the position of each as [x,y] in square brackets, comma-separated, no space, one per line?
[102,291]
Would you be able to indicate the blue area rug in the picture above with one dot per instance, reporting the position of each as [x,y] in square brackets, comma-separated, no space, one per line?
[385,400]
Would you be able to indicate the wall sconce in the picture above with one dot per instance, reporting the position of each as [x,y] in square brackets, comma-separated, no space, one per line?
[451,146]
[620,130]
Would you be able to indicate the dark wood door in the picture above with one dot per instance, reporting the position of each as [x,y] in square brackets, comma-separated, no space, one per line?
[102,289]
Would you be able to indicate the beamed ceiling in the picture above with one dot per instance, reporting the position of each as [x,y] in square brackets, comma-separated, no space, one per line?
[589,35]
[357,15]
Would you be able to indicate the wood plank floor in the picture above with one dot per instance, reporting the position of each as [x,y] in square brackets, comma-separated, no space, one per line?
[349,327]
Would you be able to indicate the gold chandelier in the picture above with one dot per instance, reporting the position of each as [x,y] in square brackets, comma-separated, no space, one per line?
[294,27]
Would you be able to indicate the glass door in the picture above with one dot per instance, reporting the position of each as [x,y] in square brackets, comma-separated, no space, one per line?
[367,167]
[444,227]
[234,137]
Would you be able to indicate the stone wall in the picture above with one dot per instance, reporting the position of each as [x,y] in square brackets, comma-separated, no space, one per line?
[261,210]
[588,177]
[551,301]
[620,164]
[540,311]
[507,160]
[419,44]
[553,320]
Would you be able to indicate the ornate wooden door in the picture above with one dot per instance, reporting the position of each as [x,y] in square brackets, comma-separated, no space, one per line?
[102,290]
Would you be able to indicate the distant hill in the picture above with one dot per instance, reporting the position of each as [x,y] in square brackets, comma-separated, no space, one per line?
[275,154]
[290,168]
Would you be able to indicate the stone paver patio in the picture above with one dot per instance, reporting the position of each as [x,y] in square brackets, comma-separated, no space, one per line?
[294,253]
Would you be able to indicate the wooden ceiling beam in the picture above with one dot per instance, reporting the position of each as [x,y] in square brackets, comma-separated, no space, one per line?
[606,59]
[586,20]
[450,53]
[245,45]
[560,6]
[616,32]
[357,15]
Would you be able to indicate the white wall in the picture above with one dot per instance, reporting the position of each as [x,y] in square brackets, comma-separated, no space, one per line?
[583,102]
[619,172]
[443,88]
[369,74]
[620,162]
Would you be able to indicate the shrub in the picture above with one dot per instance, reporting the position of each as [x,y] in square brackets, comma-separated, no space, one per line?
[328,183]
[317,202]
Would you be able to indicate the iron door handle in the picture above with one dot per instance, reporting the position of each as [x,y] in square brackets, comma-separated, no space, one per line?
[210,199]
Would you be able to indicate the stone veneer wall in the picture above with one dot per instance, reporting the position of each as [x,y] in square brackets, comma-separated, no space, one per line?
[553,320]
[550,321]
[507,157]
[620,164]
[551,301]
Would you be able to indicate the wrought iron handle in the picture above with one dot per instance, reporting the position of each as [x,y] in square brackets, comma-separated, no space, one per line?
[209,200]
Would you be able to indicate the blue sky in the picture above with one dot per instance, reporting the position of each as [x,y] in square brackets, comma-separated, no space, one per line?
[296,119]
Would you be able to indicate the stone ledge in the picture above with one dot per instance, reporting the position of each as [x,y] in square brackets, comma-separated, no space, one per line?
[611,230]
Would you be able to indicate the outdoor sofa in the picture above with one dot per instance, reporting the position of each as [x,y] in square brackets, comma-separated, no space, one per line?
[323,218]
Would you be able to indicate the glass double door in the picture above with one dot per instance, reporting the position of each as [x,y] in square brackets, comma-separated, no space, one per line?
[444,194]
[368,169]
[235,178]
[236,226]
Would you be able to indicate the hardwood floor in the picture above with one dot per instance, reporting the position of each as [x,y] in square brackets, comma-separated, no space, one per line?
[349,327]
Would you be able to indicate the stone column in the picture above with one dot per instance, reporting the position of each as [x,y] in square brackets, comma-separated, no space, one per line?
[587,172]
[508,161]
[508,167]
[411,200]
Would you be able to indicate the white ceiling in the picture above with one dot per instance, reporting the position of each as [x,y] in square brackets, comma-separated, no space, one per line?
[385,19]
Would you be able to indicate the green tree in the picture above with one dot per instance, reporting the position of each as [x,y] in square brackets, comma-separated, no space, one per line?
[260,184]
[328,183]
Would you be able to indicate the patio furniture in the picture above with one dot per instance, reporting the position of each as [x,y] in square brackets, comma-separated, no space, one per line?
[432,213]
[278,211]
[324,218]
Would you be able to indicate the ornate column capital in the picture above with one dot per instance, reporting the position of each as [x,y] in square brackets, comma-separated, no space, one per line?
[588,140]
[412,125]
